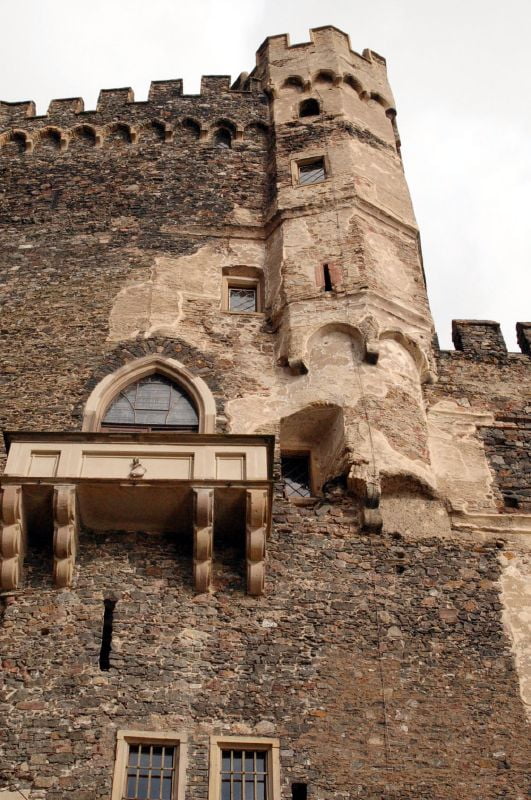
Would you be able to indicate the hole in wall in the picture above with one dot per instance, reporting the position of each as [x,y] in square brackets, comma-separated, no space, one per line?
[299,791]
[400,569]
[106,634]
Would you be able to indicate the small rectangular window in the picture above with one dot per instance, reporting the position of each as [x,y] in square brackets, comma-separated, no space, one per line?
[312,172]
[149,766]
[150,772]
[244,775]
[296,475]
[242,300]
[244,768]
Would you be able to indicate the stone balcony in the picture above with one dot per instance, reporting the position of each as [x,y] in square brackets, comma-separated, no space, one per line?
[173,483]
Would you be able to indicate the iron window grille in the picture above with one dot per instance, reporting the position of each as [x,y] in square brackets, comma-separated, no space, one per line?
[150,772]
[312,172]
[296,476]
[242,300]
[244,775]
[153,403]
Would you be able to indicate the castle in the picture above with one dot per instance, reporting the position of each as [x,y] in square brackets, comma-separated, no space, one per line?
[261,539]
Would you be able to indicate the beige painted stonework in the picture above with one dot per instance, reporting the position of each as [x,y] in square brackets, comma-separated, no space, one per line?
[516,599]
[458,456]
[163,305]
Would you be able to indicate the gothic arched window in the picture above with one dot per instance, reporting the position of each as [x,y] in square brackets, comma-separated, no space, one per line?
[153,403]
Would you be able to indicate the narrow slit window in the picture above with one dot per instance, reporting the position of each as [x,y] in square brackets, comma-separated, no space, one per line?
[150,772]
[242,300]
[106,635]
[328,287]
[312,172]
[296,475]
[244,775]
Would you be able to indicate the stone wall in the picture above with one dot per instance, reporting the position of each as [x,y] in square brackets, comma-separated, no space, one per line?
[80,224]
[380,662]
[388,665]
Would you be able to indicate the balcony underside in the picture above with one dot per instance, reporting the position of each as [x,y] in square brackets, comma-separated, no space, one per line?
[56,484]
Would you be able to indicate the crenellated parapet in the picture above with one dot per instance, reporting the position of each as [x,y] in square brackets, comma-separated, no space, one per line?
[167,109]
[482,339]
[327,57]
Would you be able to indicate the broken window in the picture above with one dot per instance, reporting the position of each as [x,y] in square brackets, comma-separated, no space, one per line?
[312,172]
[242,300]
[296,475]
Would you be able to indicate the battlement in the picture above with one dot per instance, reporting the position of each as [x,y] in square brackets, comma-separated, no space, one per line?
[480,337]
[328,57]
[325,36]
[161,93]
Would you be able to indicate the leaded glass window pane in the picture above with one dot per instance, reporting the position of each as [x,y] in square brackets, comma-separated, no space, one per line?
[296,475]
[243,775]
[150,772]
[153,402]
[314,172]
[242,300]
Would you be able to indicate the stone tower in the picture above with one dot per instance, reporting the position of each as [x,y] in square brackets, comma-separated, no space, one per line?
[260,538]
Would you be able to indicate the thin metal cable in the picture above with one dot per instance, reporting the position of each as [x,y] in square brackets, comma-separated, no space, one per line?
[369,428]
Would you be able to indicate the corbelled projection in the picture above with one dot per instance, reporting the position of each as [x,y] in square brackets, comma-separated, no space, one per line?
[260,538]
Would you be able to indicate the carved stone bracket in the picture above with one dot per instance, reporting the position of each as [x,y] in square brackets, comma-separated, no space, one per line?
[372,516]
[203,534]
[65,532]
[256,528]
[12,538]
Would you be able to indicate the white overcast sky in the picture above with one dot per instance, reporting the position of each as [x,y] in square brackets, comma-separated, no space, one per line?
[461,75]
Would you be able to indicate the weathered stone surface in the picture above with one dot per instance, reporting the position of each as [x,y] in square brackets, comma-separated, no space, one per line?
[392,664]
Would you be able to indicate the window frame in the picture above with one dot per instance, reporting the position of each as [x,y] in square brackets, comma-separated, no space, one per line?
[266,744]
[297,163]
[124,738]
[236,282]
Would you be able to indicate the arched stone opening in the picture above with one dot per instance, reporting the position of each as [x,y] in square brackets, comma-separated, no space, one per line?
[109,389]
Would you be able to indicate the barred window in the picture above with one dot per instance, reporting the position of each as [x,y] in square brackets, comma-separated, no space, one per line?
[153,403]
[244,775]
[149,765]
[296,475]
[150,772]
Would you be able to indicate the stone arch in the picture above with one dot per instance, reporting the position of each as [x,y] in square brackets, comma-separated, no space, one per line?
[49,137]
[325,77]
[83,135]
[152,131]
[334,327]
[294,83]
[191,128]
[378,98]
[17,138]
[111,385]
[118,133]
[415,351]
[356,85]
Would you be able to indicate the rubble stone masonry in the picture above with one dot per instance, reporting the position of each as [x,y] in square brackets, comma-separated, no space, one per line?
[390,653]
